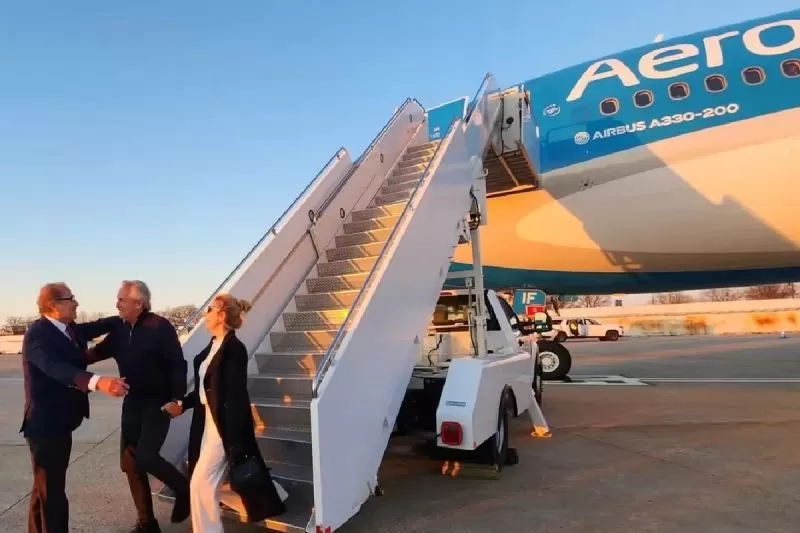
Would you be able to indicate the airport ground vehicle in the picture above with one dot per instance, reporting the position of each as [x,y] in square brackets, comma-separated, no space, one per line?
[584,328]
[462,367]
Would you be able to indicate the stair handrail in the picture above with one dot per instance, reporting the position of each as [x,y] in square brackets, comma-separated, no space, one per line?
[342,331]
[329,353]
[357,164]
[474,103]
[188,324]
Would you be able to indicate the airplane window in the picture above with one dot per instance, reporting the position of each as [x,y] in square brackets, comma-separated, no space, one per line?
[791,68]
[716,83]
[754,75]
[679,91]
[609,106]
[643,98]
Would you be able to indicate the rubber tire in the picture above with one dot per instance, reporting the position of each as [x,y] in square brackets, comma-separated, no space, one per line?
[564,359]
[492,452]
[612,335]
[538,378]
[561,337]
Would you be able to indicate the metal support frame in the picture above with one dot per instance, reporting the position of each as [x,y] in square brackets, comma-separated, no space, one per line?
[480,302]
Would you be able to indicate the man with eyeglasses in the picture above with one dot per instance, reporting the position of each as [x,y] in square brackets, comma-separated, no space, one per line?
[54,361]
[149,355]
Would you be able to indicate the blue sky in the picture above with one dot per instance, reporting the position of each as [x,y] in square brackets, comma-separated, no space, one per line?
[159,140]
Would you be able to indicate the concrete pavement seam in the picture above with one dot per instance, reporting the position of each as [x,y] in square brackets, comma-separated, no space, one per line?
[81,456]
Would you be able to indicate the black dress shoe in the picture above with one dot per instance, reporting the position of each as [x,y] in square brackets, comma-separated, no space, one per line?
[180,510]
[147,527]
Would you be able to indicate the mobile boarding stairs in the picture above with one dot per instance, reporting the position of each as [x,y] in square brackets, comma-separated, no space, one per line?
[343,286]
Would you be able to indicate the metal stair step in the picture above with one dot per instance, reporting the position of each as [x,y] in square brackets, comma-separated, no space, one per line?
[280,412]
[346,267]
[430,145]
[400,187]
[326,300]
[359,251]
[287,362]
[388,210]
[410,169]
[285,445]
[314,320]
[418,158]
[404,178]
[383,199]
[301,341]
[336,283]
[304,474]
[426,152]
[292,521]
[287,386]
[366,237]
[373,223]
[299,504]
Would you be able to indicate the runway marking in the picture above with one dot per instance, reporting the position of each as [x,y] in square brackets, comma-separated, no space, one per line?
[600,380]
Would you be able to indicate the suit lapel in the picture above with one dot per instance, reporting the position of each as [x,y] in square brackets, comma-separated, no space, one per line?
[54,331]
[214,365]
[212,372]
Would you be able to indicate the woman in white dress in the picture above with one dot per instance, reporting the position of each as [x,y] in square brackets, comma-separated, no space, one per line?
[222,432]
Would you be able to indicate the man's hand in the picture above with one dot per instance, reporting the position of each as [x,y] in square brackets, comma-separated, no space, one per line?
[173,409]
[112,386]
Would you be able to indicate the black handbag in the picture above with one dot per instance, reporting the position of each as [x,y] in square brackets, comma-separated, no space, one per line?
[248,475]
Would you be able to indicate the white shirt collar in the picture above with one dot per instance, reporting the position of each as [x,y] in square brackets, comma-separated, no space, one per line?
[60,325]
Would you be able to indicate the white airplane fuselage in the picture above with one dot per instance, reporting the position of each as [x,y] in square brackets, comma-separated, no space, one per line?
[667,167]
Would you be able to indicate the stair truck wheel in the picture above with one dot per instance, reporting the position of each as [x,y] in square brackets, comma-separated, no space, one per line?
[555,359]
[538,382]
[612,335]
[495,450]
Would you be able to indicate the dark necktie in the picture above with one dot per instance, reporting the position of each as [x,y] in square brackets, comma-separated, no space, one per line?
[71,336]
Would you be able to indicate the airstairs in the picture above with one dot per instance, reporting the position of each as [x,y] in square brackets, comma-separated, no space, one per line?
[342,286]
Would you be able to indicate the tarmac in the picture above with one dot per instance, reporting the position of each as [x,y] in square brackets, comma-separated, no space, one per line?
[663,434]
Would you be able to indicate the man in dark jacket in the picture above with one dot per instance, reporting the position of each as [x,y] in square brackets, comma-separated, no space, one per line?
[150,358]
[57,388]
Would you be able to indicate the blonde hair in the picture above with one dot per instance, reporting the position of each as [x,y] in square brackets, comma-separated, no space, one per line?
[235,309]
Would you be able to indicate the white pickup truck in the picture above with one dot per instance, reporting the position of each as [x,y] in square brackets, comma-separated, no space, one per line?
[584,328]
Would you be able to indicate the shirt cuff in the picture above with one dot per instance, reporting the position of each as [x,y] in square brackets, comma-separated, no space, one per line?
[93,381]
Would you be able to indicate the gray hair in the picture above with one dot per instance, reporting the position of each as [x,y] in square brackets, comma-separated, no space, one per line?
[142,290]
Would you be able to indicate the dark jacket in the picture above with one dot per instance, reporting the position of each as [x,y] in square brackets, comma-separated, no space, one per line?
[225,384]
[149,356]
[56,380]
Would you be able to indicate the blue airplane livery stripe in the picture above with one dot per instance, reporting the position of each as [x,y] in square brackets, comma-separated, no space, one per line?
[567,104]
[561,282]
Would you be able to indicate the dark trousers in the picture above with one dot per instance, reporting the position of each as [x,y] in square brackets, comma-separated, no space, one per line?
[49,507]
[144,428]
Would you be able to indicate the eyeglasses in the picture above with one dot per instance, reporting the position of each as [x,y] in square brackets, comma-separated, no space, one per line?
[66,299]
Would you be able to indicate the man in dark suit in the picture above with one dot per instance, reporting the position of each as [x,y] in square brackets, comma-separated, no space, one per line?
[149,355]
[57,384]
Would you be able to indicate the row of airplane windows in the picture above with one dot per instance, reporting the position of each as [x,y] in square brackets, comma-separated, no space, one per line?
[714,84]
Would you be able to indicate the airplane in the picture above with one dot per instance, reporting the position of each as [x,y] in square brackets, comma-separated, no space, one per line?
[667,167]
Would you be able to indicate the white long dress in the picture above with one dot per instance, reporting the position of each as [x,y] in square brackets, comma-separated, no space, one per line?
[211,467]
